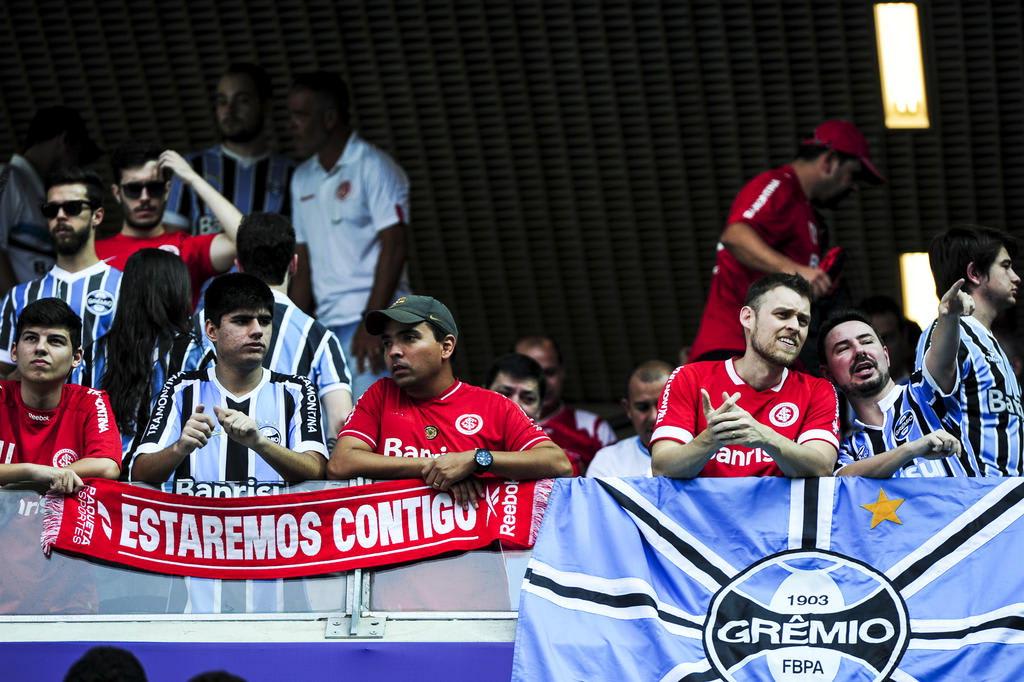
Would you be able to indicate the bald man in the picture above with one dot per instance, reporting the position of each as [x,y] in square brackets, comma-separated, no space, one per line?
[632,456]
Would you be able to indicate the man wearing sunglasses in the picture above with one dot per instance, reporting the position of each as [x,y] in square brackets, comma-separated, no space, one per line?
[141,176]
[73,209]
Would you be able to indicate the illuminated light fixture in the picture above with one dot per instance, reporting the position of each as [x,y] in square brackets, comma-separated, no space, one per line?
[919,301]
[899,58]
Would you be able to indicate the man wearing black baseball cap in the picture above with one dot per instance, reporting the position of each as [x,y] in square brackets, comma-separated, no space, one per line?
[774,225]
[422,422]
[56,138]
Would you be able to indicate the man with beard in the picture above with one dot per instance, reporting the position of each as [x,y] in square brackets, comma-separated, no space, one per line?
[988,406]
[241,167]
[897,428]
[73,209]
[769,420]
[774,226]
[140,186]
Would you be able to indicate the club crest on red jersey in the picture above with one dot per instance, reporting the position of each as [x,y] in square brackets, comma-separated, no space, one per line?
[784,414]
[469,424]
[64,457]
[430,431]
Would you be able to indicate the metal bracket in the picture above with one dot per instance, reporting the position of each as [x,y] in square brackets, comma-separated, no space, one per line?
[339,627]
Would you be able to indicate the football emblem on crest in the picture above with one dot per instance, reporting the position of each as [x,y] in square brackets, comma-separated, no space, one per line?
[469,424]
[784,414]
[64,457]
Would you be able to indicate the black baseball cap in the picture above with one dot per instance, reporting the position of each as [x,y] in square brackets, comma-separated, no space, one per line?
[52,121]
[410,310]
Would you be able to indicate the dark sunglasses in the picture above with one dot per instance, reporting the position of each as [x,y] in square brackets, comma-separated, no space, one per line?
[71,208]
[154,188]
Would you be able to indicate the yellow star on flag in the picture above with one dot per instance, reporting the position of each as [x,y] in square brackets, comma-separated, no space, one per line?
[884,509]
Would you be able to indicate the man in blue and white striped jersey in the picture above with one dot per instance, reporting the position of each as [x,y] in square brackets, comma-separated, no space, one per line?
[73,210]
[299,344]
[235,420]
[897,431]
[989,397]
[242,167]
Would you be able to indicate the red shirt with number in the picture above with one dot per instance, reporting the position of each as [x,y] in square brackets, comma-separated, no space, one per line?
[194,251]
[774,205]
[462,418]
[800,407]
[82,425]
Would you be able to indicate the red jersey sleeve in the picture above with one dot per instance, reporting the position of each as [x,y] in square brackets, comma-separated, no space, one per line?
[102,439]
[195,252]
[364,420]
[520,432]
[822,422]
[678,408]
[764,204]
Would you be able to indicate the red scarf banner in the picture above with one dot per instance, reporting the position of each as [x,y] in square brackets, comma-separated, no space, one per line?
[289,535]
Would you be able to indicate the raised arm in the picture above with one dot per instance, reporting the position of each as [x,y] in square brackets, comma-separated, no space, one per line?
[941,356]
[222,251]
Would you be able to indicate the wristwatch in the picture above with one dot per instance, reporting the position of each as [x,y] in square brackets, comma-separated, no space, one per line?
[484,460]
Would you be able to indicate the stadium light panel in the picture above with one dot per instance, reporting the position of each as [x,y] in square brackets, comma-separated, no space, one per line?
[898,34]
[919,301]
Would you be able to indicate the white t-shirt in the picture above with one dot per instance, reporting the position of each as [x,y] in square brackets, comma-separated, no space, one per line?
[24,232]
[624,459]
[338,214]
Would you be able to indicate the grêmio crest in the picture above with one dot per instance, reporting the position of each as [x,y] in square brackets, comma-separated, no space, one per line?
[806,615]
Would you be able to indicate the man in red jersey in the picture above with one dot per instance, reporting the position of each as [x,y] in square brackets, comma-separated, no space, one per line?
[52,432]
[422,422]
[773,226]
[752,416]
[579,432]
[141,185]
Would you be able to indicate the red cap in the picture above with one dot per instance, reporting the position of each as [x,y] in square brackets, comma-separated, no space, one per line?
[843,136]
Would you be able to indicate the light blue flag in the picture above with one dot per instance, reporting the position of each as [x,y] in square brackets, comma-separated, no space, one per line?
[761,579]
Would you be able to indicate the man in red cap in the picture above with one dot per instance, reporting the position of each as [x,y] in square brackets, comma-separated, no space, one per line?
[774,226]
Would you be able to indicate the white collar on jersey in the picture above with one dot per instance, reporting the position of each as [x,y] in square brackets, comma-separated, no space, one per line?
[890,398]
[61,273]
[212,374]
[244,161]
[736,379]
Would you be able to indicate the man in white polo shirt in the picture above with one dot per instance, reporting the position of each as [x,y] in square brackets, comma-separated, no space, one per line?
[350,208]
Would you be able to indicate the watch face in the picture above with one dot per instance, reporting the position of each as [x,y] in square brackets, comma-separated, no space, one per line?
[484,458]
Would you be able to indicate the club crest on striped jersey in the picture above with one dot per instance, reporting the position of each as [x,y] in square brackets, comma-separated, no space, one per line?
[901,429]
[469,424]
[99,302]
[806,615]
[784,414]
[271,433]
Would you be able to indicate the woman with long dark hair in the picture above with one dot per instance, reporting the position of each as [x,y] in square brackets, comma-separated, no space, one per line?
[150,340]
